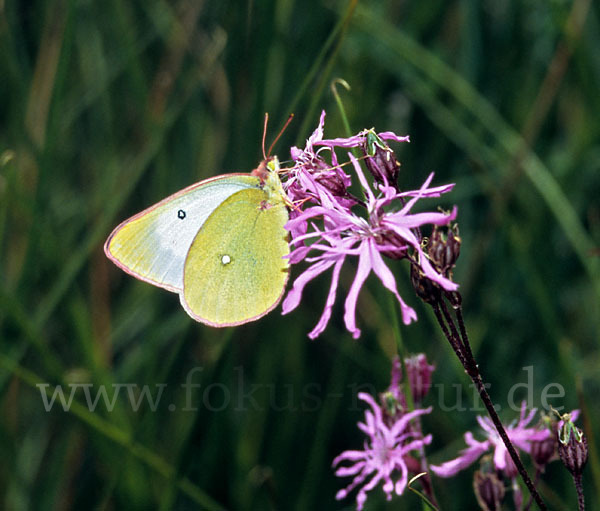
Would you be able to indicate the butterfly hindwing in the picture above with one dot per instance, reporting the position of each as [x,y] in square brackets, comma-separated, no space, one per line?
[235,271]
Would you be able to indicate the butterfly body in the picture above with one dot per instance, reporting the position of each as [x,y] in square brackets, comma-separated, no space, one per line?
[219,243]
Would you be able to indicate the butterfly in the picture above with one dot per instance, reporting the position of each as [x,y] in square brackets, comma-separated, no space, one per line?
[220,244]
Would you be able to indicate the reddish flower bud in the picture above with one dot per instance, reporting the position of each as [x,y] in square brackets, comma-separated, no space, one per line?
[489,490]
[543,451]
[397,244]
[380,159]
[334,183]
[426,289]
[444,249]
[419,376]
[572,446]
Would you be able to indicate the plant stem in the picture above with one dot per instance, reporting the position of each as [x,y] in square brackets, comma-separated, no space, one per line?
[425,479]
[456,346]
[536,480]
[579,488]
[462,348]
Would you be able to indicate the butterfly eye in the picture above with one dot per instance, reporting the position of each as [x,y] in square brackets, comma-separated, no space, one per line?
[181,214]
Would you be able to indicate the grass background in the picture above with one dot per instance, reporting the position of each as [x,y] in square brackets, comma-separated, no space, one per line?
[107,107]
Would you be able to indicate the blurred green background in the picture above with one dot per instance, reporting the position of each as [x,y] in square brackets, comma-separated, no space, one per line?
[108,106]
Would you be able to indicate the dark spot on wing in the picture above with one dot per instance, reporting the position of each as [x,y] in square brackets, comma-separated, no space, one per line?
[181,214]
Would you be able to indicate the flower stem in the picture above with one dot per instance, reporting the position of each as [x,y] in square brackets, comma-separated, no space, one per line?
[425,479]
[463,351]
[579,488]
[452,339]
[536,480]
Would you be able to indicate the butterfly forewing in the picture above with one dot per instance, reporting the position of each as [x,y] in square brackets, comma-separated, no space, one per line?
[153,244]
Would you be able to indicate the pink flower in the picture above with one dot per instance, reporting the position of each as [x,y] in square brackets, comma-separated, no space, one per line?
[387,228]
[383,457]
[520,435]
[312,178]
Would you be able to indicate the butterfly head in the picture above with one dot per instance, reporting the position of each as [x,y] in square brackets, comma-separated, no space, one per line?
[268,172]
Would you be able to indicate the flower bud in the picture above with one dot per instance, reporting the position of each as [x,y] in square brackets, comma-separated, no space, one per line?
[334,183]
[543,451]
[397,244]
[444,249]
[572,446]
[419,376]
[489,490]
[517,493]
[380,159]
[426,289]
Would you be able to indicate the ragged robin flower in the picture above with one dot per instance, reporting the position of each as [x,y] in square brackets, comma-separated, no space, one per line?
[521,434]
[381,225]
[385,453]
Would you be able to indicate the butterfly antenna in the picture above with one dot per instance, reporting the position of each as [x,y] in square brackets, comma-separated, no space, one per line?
[265,134]
[287,123]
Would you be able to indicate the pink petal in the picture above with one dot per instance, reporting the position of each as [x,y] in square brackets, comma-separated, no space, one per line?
[361,177]
[467,457]
[348,455]
[401,483]
[294,296]
[524,420]
[387,279]
[355,482]
[419,219]
[500,454]
[351,470]
[362,272]
[402,423]
[435,191]
[368,398]
[354,141]
[324,319]
[431,274]
[488,426]
[417,195]
[390,135]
